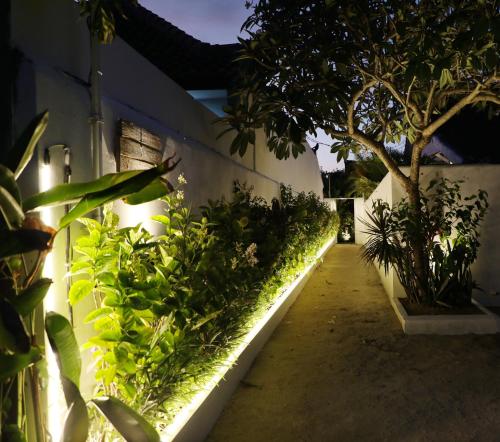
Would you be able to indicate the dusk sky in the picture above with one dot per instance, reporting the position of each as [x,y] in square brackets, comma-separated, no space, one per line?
[218,21]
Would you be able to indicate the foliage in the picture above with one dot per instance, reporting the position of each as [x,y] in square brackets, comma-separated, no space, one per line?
[25,243]
[101,16]
[167,307]
[368,73]
[449,230]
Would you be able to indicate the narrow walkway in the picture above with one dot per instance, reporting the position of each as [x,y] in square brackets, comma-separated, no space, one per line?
[339,368]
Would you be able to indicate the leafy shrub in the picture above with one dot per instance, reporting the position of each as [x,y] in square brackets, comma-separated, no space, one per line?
[167,307]
[449,230]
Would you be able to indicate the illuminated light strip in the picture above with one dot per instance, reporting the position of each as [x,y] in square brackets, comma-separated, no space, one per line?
[55,397]
[188,410]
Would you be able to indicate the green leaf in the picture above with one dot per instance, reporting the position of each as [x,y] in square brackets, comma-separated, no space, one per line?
[15,242]
[28,299]
[20,155]
[165,220]
[79,290]
[97,313]
[131,425]
[76,424]
[8,181]
[63,343]
[13,334]
[10,209]
[10,365]
[93,200]
[65,193]
[153,191]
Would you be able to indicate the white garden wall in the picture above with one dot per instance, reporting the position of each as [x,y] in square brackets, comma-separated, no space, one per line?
[54,74]
[474,177]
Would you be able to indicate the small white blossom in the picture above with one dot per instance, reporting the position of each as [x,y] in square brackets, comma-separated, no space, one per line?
[181,179]
[234,263]
[180,195]
[249,255]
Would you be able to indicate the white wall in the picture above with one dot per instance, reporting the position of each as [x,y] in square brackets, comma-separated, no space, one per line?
[485,270]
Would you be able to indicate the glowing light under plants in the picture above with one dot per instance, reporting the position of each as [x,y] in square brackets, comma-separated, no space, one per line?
[188,410]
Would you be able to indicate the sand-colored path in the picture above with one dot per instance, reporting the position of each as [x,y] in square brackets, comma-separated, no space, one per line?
[338,368]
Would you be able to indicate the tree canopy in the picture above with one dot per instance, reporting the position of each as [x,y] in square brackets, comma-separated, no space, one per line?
[368,72]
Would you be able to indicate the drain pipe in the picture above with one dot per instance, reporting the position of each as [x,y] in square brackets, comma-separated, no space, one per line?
[96,119]
[66,180]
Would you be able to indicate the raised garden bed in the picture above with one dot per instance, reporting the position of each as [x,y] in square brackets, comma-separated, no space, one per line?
[475,319]
[194,422]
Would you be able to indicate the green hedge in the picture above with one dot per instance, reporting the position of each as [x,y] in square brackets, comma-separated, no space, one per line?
[168,308]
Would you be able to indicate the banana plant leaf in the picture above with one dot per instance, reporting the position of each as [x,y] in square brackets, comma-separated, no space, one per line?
[10,365]
[63,343]
[132,185]
[13,334]
[11,210]
[72,192]
[131,425]
[8,182]
[156,189]
[76,423]
[20,155]
[15,242]
[26,301]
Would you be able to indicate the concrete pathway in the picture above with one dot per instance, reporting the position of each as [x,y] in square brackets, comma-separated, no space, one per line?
[339,368]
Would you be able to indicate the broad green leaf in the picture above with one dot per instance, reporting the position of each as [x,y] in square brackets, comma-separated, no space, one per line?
[134,184]
[97,313]
[63,343]
[20,155]
[131,425]
[76,423]
[10,209]
[13,334]
[15,242]
[28,299]
[8,181]
[10,365]
[79,290]
[161,219]
[65,193]
[153,191]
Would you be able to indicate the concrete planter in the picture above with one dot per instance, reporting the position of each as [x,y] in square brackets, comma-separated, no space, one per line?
[195,421]
[446,324]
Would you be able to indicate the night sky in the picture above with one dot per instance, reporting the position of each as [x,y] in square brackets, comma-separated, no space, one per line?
[218,21]
[212,21]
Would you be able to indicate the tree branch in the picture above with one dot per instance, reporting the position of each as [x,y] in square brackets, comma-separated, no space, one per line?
[431,128]
[430,102]
[352,105]
[378,149]
[487,97]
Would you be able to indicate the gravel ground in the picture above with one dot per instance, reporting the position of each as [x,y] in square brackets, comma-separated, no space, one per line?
[339,368]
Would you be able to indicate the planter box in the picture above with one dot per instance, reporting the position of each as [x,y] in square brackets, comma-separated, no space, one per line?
[446,324]
[195,421]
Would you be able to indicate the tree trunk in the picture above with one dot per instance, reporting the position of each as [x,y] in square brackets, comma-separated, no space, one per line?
[417,242]
[421,265]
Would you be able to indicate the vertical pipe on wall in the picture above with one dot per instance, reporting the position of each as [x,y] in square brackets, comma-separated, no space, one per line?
[96,120]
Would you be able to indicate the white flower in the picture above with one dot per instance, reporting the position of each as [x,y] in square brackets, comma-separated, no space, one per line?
[249,255]
[180,195]
[181,179]
[234,263]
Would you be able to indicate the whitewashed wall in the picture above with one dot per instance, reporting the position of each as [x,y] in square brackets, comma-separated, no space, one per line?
[486,177]
[54,74]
